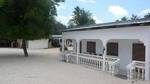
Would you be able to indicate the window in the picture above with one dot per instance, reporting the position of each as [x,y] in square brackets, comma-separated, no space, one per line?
[91,47]
[112,49]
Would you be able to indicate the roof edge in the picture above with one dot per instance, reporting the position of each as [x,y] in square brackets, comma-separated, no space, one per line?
[110,25]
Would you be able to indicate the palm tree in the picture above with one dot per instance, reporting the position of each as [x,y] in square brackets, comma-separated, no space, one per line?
[81,17]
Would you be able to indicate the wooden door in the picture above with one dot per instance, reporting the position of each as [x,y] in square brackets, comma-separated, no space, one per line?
[91,47]
[138,52]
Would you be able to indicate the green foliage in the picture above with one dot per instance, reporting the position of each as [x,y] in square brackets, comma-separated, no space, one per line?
[58,27]
[27,19]
[81,17]
[124,19]
[71,24]
[1,2]
[134,17]
[147,16]
[117,21]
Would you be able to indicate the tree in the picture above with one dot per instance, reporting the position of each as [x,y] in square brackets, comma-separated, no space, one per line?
[26,19]
[81,17]
[147,15]
[71,24]
[58,27]
[124,19]
[134,17]
[117,21]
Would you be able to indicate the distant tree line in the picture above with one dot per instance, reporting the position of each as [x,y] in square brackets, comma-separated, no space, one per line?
[134,18]
[81,17]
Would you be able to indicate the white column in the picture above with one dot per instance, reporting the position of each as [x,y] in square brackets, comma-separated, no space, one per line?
[74,46]
[12,45]
[78,50]
[63,45]
[62,50]
[147,61]
[66,42]
[104,54]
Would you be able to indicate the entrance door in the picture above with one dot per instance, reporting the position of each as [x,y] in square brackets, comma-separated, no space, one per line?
[91,47]
[138,52]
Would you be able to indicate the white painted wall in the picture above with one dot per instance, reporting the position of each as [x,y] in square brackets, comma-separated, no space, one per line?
[142,33]
[38,44]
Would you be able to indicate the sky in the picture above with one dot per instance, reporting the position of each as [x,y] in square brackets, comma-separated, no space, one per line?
[103,10]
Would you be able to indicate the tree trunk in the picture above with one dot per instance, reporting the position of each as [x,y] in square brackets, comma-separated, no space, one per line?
[24,48]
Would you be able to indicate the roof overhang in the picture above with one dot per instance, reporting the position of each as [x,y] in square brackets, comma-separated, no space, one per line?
[111,25]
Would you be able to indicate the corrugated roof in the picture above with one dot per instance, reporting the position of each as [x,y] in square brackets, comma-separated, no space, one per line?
[140,22]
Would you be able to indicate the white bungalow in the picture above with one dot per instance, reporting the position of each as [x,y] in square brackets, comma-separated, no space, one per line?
[118,47]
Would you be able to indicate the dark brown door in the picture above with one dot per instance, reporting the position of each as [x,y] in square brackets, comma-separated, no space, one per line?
[91,47]
[138,52]
[80,47]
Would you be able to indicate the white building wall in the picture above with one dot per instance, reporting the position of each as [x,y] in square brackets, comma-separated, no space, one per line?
[125,55]
[38,44]
[141,33]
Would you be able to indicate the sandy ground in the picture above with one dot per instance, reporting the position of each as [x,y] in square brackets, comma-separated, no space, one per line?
[43,67]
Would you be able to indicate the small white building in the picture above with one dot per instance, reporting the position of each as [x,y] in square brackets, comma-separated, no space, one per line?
[118,47]
[38,44]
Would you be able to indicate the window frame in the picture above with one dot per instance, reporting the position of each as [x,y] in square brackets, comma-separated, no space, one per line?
[91,47]
[113,49]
